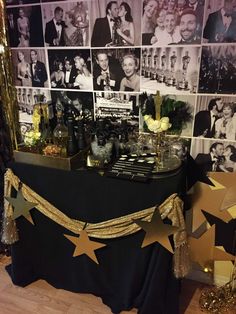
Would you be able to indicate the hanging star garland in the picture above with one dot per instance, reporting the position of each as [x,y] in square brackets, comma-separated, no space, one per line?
[203,250]
[21,206]
[157,231]
[83,245]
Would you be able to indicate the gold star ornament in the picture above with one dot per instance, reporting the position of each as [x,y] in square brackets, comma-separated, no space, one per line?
[83,245]
[157,231]
[203,250]
[21,206]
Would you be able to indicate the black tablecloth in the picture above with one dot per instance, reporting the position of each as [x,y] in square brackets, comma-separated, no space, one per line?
[127,275]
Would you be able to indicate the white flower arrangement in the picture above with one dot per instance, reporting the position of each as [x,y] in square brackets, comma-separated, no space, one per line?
[31,138]
[157,126]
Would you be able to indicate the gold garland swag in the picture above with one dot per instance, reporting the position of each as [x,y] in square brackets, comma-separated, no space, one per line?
[171,208]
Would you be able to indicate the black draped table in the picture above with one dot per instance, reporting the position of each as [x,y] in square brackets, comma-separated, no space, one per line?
[127,275]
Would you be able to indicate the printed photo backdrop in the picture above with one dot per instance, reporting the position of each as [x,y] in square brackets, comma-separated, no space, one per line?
[101,55]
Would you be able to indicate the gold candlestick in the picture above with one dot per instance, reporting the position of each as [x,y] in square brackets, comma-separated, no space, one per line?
[158,101]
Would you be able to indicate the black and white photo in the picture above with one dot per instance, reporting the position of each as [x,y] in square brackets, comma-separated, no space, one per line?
[220,22]
[26,99]
[215,117]
[170,70]
[80,103]
[118,23]
[116,69]
[117,106]
[70,69]
[218,69]
[25,26]
[29,67]
[214,155]
[172,22]
[20,2]
[66,23]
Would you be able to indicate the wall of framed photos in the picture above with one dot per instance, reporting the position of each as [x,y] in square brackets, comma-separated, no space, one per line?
[185,49]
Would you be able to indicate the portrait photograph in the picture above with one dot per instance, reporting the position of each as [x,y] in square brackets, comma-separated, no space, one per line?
[218,69]
[25,26]
[171,70]
[214,155]
[79,103]
[172,22]
[215,117]
[117,106]
[116,69]
[20,2]
[70,68]
[29,67]
[220,22]
[115,23]
[66,23]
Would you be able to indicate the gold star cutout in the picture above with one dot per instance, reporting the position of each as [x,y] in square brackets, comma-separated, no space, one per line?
[84,245]
[21,206]
[227,179]
[204,198]
[157,231]
[203,250]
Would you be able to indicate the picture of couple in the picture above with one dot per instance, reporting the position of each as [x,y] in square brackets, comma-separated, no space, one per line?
[214,156]
[70,69]
[66,24]
[217,119]
[30,68]
[116,69]
[118,25]
[25,27]
[167,22]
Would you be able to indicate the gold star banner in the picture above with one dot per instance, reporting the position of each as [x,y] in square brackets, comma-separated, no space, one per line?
[157,231]
[21,206]
[203,250]
[83,245]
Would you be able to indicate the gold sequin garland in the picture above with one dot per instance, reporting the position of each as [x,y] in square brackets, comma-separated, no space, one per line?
[171,208]
[7,89]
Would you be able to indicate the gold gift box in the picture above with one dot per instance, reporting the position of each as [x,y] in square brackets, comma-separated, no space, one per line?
[69,163]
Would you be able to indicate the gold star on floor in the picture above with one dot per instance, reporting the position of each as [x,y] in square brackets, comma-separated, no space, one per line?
[203,250]
[157,231]
[21,206]
[84,245]
[204,198]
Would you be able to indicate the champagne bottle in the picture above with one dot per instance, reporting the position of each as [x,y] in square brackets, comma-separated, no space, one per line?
[60,134]
[81,135]
[72,145]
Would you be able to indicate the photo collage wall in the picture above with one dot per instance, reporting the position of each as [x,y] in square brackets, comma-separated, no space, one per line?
[101,55]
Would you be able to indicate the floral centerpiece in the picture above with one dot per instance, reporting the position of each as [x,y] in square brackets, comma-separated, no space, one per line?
[157,125]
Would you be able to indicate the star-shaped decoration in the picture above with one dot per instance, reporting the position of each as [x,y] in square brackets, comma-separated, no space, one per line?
[157,231]
[225,232]
[210,200]
[195,173]
[83,245]
[203,250]
[225,178]
[21,206]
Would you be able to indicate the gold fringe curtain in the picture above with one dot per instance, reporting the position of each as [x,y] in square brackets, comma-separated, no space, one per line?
[7,89]
[171,208]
